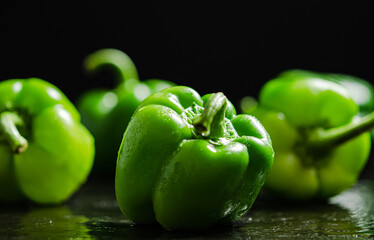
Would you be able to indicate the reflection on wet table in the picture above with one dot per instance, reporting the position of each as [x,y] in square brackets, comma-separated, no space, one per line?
[94,214]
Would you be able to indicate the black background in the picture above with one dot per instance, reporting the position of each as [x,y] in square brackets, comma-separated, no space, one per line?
[229,46]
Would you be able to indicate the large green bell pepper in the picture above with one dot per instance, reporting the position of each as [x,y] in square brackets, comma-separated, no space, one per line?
[189,162]
[45,152]
[318,136]
[106,113]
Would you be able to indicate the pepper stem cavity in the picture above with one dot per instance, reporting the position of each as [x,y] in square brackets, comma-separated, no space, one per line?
[326,139]
[124,68]
[211,121]
[9,131]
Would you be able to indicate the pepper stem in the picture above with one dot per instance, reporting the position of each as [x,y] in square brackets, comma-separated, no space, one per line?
[325,139]
[9,132]
[211,121]
[124,68]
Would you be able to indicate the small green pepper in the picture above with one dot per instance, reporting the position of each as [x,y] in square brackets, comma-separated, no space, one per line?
[189,162]
[45,152]
[321,141]
[106,113]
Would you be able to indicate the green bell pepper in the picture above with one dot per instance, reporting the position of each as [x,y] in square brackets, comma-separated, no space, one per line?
[106,113]
[321,141]
[45,152]
[189,162]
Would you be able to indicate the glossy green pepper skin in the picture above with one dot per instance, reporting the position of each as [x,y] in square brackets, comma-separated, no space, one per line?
[46,154]
[320,141]
[105,112]
[361,90]
[189,162]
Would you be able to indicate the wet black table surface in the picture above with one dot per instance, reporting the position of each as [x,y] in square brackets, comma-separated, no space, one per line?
[93,213]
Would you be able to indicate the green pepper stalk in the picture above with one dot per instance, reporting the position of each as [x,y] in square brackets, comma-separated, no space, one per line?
[210,122]
[188,162]
[122,65]
[46,154]
[323,140]
[320,139]
[10,133]
[106,113]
